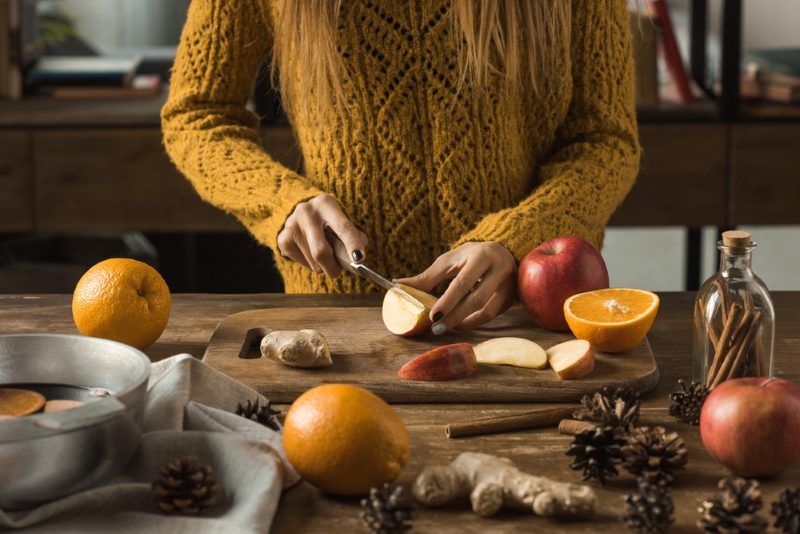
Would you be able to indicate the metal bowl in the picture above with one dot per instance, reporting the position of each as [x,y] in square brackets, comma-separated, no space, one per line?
[44,457]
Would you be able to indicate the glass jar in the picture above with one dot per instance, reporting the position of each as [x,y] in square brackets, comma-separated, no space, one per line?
[734,321]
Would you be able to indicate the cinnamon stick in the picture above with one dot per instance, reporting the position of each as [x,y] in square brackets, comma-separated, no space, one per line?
[570,427]
[749,305]
[759,356]
[745,345]
[729,356]
[724,299]
[724,342]
[532,419]
[713,334]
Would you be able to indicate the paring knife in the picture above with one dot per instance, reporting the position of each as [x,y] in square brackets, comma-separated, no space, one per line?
[343,259]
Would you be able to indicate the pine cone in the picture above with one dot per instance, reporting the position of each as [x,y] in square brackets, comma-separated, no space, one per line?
[734,511]
[184,488]
[260,414]
[386,512]
[654,454]
[687,404]
[650,509]
[596,451]
[787,511]
[618,409]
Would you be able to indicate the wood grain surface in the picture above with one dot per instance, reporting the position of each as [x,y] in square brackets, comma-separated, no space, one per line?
[303,509]
[365,353]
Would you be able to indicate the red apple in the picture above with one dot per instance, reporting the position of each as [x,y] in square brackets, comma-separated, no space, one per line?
[752,425]
[449,362]
[553,272]
[571,359]
[405,318]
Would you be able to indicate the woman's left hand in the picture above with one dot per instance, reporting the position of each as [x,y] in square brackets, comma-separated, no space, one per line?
[484,285]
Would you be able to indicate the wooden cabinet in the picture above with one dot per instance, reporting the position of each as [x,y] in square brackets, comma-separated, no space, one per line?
[16,187]
[765,177]
[115,179]
[81,177]
[682,179]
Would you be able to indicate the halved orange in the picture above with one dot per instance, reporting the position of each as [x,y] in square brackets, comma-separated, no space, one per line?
[611,320]
[19,402]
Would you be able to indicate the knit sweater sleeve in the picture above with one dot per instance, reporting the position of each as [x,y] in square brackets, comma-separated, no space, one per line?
[596,155]
[207,130]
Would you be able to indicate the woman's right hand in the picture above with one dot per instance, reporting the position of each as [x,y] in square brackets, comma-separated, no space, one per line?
[303,236]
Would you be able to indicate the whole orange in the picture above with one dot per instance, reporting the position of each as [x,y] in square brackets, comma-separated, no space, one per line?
[344,439]
[122,300]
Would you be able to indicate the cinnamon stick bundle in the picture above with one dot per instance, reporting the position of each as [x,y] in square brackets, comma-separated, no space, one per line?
[739,348]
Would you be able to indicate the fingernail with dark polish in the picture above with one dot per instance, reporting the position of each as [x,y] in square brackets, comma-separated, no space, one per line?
[437,316]
[357,255]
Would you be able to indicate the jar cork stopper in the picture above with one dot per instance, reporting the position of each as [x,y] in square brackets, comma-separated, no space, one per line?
[736,240]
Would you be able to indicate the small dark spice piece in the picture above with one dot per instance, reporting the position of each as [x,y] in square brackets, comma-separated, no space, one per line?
[618,409]
[596,451]
[650,508]
[387,512]
[687,404]
[260,414]
[734,510]
[184,488]
[787,511]
[655,454]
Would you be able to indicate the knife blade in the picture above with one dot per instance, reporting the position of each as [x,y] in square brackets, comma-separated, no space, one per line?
[343,259]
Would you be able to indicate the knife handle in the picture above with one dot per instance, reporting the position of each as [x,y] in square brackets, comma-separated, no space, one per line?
[339,251]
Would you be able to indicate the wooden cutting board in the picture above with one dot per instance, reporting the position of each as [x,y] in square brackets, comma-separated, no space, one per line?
[366,354]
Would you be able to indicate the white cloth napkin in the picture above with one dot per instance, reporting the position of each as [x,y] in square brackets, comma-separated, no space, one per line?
[188,410]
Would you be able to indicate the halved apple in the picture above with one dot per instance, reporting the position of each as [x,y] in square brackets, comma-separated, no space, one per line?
[515,351]
[449,362]
[571,359]
[405,318]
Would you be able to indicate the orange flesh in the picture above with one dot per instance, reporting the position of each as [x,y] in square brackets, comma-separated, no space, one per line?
[19,402]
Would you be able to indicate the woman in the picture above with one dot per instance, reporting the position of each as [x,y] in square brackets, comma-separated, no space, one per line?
[439,137]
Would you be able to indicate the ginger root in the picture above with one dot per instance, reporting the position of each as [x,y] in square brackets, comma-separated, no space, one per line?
[304,348]
[492,482]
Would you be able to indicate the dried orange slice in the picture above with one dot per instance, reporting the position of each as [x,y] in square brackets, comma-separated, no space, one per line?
[611,320]
[19,402]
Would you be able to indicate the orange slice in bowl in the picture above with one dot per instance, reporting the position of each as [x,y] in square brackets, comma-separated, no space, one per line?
[19,402]
[611,320]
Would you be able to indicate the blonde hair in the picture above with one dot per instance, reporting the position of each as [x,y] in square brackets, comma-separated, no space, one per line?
[305,37]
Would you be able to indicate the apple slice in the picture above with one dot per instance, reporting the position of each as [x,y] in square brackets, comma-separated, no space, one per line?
[449,362]
[405,318]
[515,351]
[571,359]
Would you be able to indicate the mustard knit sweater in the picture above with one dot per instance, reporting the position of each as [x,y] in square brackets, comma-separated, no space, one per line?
[415,172]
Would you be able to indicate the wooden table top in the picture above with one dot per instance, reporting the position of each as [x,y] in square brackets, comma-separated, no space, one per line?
[540,451]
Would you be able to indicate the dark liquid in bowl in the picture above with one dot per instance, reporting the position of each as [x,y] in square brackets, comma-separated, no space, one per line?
[59,391]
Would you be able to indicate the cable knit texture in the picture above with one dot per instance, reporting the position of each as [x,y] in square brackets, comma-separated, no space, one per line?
[418,169]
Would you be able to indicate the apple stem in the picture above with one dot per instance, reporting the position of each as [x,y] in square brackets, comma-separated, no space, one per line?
[765,382]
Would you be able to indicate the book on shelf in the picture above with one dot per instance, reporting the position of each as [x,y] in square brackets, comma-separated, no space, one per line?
[774,79]
[768,85]
[670,53]
[785,61]
[83,70]
[142,86]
